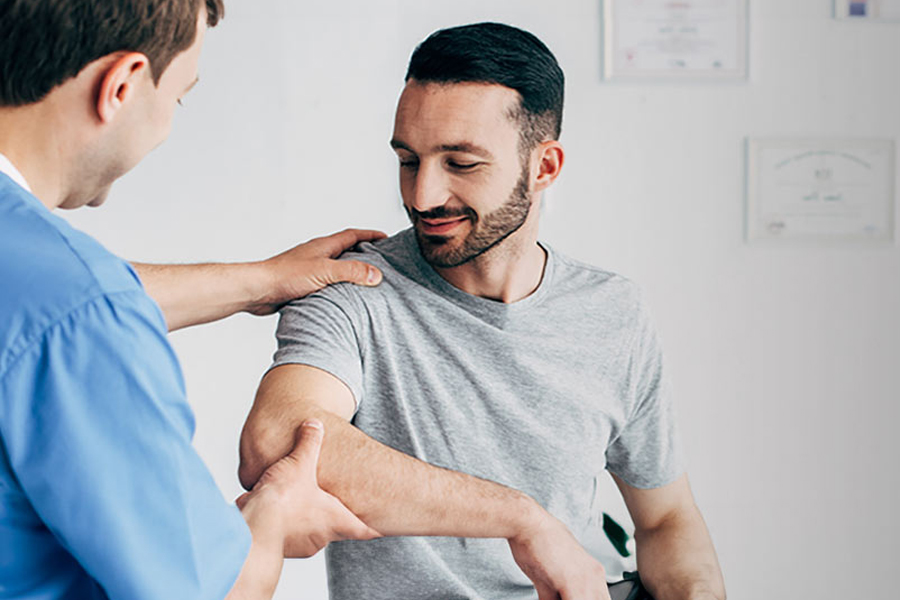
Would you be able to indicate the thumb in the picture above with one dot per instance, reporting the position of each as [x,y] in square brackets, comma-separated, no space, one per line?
[353,271]
[307,447]
[350,527]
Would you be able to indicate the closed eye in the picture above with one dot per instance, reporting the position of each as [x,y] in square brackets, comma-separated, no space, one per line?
[463,166]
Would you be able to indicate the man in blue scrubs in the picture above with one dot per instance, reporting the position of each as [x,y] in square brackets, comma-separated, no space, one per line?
[101,492]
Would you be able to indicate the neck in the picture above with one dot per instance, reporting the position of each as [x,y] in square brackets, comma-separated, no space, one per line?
[31,138]
[509,272]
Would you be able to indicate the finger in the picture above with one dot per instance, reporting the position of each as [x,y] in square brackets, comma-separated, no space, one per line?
[351,271]
[308,444]
[338,243]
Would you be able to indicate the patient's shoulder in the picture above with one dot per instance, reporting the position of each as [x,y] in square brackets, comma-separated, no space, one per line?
[389,255]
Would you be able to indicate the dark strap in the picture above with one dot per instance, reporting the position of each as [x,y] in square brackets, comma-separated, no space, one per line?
[638,592]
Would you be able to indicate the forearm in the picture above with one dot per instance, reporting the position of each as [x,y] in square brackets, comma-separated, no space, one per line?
[393,492]
[196,294]
[397,494]
[677,560]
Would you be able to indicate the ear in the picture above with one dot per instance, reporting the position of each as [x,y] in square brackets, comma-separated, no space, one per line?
[120,80]
[550,156]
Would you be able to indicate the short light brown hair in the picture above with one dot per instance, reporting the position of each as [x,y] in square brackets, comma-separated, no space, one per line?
[43,43]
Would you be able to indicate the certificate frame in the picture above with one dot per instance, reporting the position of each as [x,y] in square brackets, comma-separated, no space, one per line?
[821,190]
[680,65]
[867,10]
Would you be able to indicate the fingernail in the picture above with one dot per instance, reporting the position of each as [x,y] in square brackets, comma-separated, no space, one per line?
[372,277]
[314,423]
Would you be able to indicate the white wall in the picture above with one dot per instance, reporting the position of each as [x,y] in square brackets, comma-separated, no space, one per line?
[785,358]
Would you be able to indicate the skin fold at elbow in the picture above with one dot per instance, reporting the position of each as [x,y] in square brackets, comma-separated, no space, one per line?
[259,448]
[250,469]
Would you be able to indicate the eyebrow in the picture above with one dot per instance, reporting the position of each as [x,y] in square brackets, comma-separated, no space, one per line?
[467,147]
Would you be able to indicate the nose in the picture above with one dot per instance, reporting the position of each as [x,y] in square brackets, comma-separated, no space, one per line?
[430,188]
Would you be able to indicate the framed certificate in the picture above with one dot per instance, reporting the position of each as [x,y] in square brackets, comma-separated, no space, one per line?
[663,39]
[867,10]
[825,190]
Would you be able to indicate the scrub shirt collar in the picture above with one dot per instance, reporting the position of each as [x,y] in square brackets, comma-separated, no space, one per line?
[9,169]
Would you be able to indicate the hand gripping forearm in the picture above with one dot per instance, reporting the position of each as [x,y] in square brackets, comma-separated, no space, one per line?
[290,516]
[397,494]
[393,492]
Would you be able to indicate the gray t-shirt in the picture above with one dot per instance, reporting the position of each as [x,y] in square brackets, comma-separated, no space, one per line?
[540,395]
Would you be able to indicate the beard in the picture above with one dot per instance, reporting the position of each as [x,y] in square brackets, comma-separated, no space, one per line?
[486,233]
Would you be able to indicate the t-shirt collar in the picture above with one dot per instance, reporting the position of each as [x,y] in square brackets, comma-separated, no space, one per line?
[445,288]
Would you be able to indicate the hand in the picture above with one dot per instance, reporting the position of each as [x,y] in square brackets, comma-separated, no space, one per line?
[309,267]
[287,502]
[556,564]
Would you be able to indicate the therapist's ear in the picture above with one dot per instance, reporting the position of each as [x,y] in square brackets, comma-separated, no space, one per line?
[120,82]
[550,158]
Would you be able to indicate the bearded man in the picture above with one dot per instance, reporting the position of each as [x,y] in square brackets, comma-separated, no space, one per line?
[483,388]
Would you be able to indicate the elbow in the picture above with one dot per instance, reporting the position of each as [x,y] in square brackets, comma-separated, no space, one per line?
[267,438]
[249,472]
[258,450]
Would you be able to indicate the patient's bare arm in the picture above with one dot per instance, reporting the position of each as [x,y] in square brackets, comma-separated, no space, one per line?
[399,495]
[372,479]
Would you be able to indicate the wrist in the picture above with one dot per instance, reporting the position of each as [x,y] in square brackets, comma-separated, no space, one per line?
[262,568]
[265,524]
[258,280]
[528,519]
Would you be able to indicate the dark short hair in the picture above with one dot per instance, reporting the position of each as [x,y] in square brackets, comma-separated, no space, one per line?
[43,43]
[504,55]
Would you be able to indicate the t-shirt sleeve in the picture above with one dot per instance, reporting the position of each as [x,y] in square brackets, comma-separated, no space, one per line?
[647,452]
[98,433]
[324,330]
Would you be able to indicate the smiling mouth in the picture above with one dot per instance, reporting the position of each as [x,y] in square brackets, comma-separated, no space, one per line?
[440,226]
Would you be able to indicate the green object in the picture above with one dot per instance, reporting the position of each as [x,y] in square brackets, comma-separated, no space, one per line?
[616,534]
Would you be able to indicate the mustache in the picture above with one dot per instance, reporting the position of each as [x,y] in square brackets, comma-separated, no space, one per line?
[442,212]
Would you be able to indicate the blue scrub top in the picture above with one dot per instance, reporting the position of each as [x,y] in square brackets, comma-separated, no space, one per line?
[101,493]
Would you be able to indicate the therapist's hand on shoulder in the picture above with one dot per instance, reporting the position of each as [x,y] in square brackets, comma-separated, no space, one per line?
[202,293]
[311,266]
[288,509]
